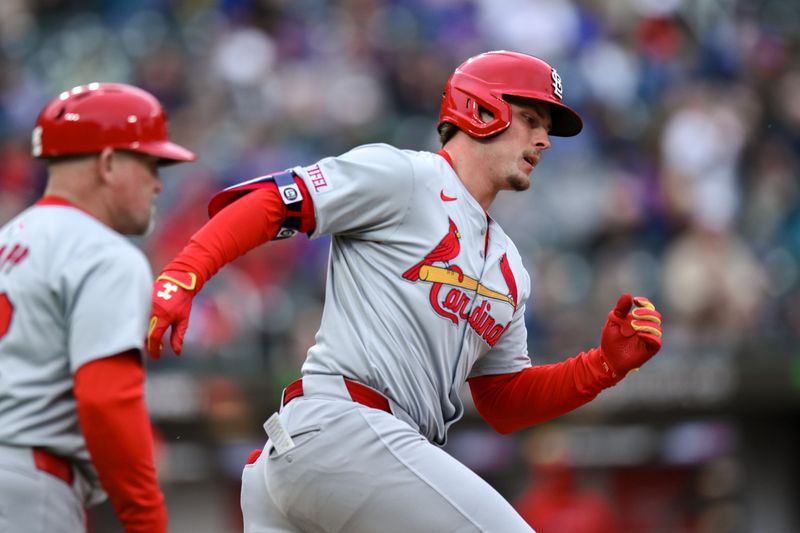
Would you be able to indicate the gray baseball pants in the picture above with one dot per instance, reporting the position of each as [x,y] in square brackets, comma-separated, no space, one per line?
[357,470]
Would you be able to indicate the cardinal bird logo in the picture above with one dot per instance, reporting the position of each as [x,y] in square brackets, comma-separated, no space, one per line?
[447,250]
[463,297]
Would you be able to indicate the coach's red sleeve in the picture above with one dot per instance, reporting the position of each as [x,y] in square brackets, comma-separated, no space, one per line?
[509,402]
[246,223]
[113,418]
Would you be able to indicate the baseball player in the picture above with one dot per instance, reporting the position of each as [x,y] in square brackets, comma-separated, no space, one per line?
[74,304]
[424,293]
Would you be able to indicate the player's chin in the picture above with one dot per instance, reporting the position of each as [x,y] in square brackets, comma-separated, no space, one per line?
[519,182]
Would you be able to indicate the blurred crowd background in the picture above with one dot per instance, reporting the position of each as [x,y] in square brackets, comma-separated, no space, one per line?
[683,187]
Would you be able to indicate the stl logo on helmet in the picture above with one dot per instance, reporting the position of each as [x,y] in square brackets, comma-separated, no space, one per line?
[458,301]
[558,88]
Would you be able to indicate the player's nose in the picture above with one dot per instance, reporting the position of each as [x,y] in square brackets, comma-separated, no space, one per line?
[541,139]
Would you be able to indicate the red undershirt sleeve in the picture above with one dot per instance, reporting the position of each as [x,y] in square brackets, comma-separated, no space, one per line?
[116,426]
[510,402]
[244,224]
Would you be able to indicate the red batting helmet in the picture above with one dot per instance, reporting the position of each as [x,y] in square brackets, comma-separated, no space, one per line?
[89,118]
[483,80]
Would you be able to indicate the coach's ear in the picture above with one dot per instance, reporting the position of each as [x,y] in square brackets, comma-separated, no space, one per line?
[105,165]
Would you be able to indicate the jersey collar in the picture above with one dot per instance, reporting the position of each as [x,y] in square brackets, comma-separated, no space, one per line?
[57,200]
[446,157]
[443,153]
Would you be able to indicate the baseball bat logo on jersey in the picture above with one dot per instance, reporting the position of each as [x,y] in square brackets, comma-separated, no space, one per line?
[456,305]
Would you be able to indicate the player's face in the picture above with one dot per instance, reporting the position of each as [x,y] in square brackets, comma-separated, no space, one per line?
[515,153]
[137,187]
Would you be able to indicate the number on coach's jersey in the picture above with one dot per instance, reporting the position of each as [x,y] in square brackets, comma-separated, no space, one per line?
[6,310]
[11,256]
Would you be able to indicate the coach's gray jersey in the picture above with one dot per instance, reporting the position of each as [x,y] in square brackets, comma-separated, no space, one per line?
[424,290]
[71,291]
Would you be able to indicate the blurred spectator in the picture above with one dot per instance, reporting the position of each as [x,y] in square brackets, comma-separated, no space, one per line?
[713,286]
[554,502]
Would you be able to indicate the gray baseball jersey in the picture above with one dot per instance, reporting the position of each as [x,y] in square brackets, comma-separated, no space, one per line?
[71,291]
[424,289]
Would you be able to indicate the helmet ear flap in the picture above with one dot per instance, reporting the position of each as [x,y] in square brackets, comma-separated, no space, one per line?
[500,113]
[463,101]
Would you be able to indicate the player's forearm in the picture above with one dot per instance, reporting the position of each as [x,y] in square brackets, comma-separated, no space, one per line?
[243,225]
[116,427]
[509,402]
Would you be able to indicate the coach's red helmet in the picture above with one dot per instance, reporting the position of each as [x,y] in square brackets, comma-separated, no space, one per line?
[483,80]
[89,118]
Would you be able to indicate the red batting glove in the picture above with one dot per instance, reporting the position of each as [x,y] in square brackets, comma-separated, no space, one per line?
[630,338]
[173,291]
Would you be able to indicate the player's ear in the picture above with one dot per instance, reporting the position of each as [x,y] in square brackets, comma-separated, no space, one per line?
[486,115]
